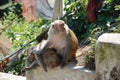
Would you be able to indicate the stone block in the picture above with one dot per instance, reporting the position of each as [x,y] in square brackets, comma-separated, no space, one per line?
[108,57]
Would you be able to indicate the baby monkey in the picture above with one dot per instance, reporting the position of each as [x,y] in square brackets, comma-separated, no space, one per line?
[50,58]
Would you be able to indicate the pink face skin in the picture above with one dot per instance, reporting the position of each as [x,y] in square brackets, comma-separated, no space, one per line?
[61,26]
[52,64]
[53,61]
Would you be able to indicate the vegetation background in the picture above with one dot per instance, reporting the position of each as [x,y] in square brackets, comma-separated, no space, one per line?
[21,31]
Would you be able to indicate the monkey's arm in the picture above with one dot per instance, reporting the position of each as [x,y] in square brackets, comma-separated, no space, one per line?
[32,65]
[65,56]
[40,61]
[38,55]
[66,51]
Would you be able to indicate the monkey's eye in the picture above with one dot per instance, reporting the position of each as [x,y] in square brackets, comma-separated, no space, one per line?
[61,24]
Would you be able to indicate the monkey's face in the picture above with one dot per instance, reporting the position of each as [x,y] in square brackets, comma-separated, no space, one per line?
[56,27]
[51,58]
[52,64]
[53,61]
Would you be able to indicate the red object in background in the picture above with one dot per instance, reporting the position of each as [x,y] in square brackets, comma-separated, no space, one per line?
[92,6]
[29,9]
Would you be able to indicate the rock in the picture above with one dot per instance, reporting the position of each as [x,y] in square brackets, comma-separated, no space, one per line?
[108,57]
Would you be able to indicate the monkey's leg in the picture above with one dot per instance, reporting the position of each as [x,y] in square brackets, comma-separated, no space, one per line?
[38,55]
[32,65]
[63,62]
[65,56]
[41,62]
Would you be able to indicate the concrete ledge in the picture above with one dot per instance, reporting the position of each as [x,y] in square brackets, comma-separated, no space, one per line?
[5,76]
[69,72]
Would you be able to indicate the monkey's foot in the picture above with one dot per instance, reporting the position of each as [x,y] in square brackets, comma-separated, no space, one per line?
[62,65]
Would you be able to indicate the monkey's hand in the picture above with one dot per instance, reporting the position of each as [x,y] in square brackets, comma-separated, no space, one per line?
[32,65]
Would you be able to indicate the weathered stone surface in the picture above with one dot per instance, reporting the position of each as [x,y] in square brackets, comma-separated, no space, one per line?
[5,76]
[108,57]
[69,72]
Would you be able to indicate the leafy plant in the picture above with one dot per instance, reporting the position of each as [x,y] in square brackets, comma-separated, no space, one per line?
[20,32]
[76,18]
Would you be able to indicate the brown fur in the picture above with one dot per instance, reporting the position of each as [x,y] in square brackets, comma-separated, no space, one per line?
[50,57]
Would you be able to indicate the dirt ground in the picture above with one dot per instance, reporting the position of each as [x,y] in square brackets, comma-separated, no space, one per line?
[81,59]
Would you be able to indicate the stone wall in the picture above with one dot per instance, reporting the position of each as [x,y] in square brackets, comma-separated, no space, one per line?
[107,64]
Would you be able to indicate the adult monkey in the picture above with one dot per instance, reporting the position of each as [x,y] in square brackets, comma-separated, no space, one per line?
[65,41]
[62,38]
